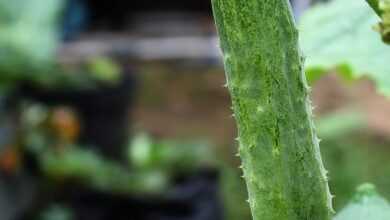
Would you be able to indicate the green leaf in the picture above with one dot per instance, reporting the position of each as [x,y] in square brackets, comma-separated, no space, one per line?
[57,212]
[340,34]
[375,5]
[384,26]
[367,205]
[28,36]
[104,69]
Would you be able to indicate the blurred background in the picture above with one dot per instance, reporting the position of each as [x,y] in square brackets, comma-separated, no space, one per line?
[117,110]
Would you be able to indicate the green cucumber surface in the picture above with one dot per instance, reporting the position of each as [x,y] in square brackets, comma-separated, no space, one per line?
[281,160]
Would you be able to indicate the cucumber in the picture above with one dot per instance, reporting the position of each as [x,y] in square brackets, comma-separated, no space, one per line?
[280,153]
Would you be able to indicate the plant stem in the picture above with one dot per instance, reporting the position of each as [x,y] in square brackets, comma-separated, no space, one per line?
[282,165]
[375,5]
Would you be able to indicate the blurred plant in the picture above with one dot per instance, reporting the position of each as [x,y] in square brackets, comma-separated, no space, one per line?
[51,135]
[48,128]
[233,190]
[338,35]
[172,156]
[345,42]
[154,166]
[353,159]
[10,157]
[382,8]
[104,69]
[366,205]
[28,37]
[57,212]
[351,154]
[341,123]
[87,167]
[65,124]
[10,160]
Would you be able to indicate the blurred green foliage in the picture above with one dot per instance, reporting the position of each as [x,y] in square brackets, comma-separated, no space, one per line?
[233,192]
[98,173]
[375,5]
[172,156]
[29,40]
[352,160]
[384,25]
[104,69]
[339,35]
[382,8]
[152,165]
[340,123]
[28,37]
[57,212]
[366,205]
[352,155]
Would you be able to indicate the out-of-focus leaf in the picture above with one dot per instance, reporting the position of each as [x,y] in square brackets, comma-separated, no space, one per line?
[340,123]
[140,153]
[384,26]
[173,156]
[104,69]
[375,5]
[28,36]
[339,35]
[382,8]
[57,212]
[94,171]
[367,205]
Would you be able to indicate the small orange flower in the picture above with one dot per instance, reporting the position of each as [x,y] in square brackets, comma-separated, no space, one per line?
[65,124]
[10,160]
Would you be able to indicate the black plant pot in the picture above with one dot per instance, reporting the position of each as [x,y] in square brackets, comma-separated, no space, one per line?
[195,197]
[192,198]
[104,112]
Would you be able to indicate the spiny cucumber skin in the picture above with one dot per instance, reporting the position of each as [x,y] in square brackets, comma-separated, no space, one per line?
[280,153]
